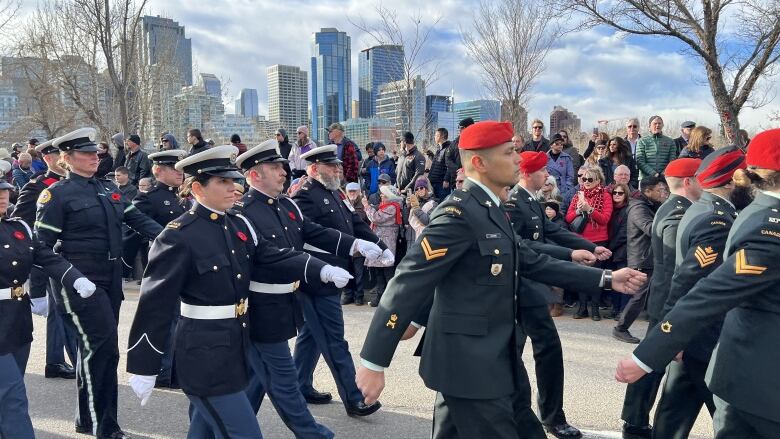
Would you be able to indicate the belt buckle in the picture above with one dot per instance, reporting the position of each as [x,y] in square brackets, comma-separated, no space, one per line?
[17,293]
[241,307]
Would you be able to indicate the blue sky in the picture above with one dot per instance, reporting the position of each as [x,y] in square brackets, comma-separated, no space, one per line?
[594,73]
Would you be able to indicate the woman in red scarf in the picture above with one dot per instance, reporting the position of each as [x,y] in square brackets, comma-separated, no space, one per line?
[386,221]
[596,202]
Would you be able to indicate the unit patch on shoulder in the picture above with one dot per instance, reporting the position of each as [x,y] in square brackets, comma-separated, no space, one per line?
[718,223]
[173,225]
[705,256]
[44,197]
[453,210]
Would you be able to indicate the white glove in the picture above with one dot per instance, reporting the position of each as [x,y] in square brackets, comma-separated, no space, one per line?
[339,276]
[368,249]
[40,306]
[142,386]
[84,287]
[388,258]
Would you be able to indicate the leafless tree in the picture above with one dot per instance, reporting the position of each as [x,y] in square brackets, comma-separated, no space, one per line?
[412,34]
[734,70]
[509,41]
[8,10]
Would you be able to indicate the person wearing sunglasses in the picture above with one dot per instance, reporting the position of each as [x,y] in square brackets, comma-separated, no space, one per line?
[595,202]
[618,231]
[538,141]
[698,144]
[302,145]
[632,134]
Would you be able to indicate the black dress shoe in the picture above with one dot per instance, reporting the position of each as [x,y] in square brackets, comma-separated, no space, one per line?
[119,434]
[347,300]
[61,370]
[84,429]
[315,397]
[635,432]
[625,337]
[563,431]
[361,409]
[359,301]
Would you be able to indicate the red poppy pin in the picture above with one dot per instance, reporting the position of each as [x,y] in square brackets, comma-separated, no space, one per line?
[116,197]
[19,235]
[241,236]
[292,216]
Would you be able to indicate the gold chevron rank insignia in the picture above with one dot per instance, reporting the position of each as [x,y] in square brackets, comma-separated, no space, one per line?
[430,253]
[705,256]
[742,266]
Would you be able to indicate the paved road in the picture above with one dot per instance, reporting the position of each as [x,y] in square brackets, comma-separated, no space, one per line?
[593,397]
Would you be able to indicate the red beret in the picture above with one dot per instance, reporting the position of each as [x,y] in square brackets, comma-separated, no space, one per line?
[718,168]
[487,134]
[532,161]
[682,168]
[764,150]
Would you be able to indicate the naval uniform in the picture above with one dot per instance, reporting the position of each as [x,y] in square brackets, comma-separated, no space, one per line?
[276,314]
[640,396]
[531,223]
[323,331]
[84,217]
[18,253]
[206,259]
[742,373]
[701,239]
[467,261]
[57,335]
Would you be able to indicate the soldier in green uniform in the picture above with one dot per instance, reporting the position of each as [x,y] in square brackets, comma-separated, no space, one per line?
[701,239]
[684,189]
[742,373]
[468,260]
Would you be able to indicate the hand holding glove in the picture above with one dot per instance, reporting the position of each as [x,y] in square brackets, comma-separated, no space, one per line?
[368,249]
[338,276]
[142,386]
[40,306]
[388,258]
[84,287]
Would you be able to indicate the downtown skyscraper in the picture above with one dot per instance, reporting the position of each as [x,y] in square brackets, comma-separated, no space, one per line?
[331,80]
[287,96]
[376,66]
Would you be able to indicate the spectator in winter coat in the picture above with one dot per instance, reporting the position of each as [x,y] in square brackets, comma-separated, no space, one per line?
[347,152]
[698,144]
[22,172]
[38,165]
[577,159]
[106,163]
[134,159]
[685,135]
[595,202]
[284,150]
[235,140]
[365,174]
[122,179]
[553,211]
[439,175]
[452,157]
[380,165]
[386,222]
[632,135]
[654,152]
[168,141]
[421,204]
[619,153]
[618,238]
[303,145]
[597,138]
[559,164]
[195,138]
[410,166]
[537,142]
[549,192]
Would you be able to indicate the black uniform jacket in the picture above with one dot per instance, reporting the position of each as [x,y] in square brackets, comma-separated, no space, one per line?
[468,259]
[277,317]
[28,196]
[543,236]
[663,243]
[205,259]
[744,288]
[328,209]
[161,203]
[18,253]
[86,215]
[701,240]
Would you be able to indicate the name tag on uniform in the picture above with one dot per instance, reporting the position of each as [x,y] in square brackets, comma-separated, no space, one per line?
[493,236]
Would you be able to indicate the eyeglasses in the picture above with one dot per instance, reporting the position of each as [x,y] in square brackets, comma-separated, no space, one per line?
[618,193]
[278,134]
[164,140]
[458,181]
[601,147]
[632,126]
[299,133]
[537,128]
[588,179]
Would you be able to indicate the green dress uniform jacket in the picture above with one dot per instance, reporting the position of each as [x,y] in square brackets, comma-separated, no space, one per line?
[743,368]
[468,260]
[663,243]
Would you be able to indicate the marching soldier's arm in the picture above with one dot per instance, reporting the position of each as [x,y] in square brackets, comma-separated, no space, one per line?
[305,203]
[287,265]
[746,272]
[704,255]
[331,240]
[440,247]
[556,251]
[164,279]
[25,203]
[141,223]
[49,218]
[548,270]
[143,203]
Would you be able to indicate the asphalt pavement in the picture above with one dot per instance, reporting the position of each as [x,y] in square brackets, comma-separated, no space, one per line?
[593,397]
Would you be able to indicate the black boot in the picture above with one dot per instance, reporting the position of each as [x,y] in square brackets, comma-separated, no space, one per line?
[582,311]
[595,314]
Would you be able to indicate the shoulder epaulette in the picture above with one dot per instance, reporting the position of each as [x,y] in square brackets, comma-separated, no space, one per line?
[182,221]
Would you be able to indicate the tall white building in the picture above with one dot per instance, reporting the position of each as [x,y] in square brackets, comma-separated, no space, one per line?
[194,107]
[287,96]
[403,102]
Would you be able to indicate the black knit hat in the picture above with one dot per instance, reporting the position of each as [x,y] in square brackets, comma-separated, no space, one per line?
[553,205]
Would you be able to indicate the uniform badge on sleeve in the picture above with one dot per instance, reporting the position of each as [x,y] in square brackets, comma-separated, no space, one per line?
[429,252]
[44,197]
[742,266]
[705,256]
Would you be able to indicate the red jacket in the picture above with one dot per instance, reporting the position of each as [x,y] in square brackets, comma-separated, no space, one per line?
[597,229]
